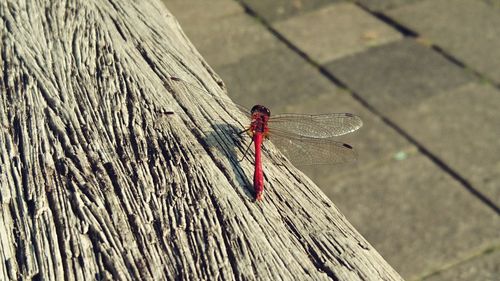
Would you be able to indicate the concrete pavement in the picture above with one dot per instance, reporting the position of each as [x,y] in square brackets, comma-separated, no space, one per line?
[424,75]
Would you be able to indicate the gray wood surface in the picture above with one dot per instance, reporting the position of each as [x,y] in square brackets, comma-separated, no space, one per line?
[99,182]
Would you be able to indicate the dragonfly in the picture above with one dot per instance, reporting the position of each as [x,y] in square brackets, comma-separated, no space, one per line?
[304,139]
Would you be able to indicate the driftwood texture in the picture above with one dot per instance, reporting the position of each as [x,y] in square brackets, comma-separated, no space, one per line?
[99,182]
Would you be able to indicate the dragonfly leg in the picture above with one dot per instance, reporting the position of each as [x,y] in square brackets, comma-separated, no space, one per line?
[244,131]
[246,151]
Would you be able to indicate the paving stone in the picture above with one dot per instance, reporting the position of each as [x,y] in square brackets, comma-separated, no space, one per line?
[335,31]
[415,215]
[485,267]
[397,75]
[467,29]
[462,128]
[281,9]
[224,36]
[380,5]
[494,3]
[274,78]
[201,12]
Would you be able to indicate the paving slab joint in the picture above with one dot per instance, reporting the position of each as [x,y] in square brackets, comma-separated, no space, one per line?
[459,63]
[277,34]
[407,32]
[483,252]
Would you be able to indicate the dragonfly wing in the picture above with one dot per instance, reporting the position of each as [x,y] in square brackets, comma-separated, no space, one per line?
[316,126]
[313,151]
[203,93]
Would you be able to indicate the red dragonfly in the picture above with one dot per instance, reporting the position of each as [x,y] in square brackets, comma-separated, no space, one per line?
[304,139]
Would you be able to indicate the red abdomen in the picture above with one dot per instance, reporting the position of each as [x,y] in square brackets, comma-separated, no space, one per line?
[258,176]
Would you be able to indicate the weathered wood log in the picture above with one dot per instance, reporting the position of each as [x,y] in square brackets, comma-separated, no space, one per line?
[98,181]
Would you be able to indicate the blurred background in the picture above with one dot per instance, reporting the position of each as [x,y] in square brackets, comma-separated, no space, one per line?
[424,75]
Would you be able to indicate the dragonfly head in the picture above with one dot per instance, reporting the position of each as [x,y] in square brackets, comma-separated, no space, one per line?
[260,109]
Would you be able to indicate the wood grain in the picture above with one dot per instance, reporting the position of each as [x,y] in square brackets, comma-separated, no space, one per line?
[109,170]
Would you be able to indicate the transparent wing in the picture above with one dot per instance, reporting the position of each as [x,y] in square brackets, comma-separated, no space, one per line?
[313,151]
[316,126]
[204,99]
[304,139]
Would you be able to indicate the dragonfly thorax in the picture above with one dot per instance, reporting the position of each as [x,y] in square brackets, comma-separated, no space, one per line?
[260,115]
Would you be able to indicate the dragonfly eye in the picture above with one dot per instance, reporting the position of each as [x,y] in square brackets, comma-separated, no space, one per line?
[261,109]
